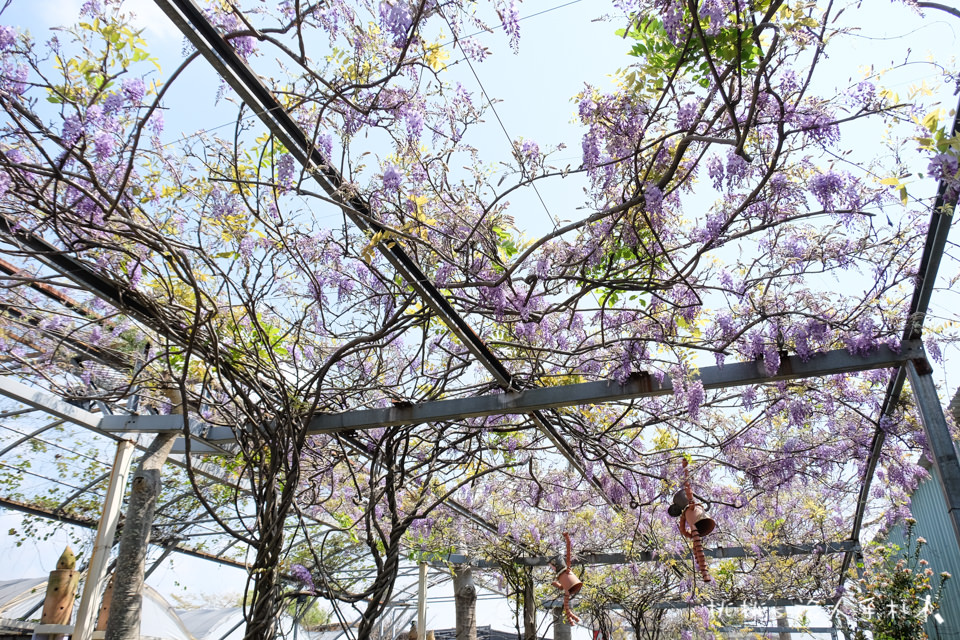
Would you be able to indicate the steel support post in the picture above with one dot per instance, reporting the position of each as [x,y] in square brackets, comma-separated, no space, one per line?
[97,569]
[783,622]
[946,465]
[422,603]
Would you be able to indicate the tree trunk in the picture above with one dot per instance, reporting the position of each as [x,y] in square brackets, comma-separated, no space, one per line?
[529,607]
[124,620]
[465,599]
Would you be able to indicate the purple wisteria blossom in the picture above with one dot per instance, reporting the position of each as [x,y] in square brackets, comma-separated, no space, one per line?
[392,178]
[944,166]
[473,49]
[509,18]
[134,90]
[737,168]
[286,171]
[302,574]
[654,198]
[826,187]
[715,12]
[8,37]
[396,17]
[687,114]
[673,22]
[530,150]
[716,171]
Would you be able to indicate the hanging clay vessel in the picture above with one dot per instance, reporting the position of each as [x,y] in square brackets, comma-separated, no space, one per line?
[567,582]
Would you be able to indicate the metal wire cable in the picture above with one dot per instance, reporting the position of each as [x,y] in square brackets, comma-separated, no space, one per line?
[43,477]
[452,41]
[57,446]
[503,127]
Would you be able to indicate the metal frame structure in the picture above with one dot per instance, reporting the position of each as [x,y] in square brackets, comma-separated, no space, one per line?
[221,55]
[641,385]
[910,362]
[782,550]
[938,230]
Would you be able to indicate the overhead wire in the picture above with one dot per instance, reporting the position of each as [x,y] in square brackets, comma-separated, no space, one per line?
[452,41]
[56,445]
[42,477]
[513,146]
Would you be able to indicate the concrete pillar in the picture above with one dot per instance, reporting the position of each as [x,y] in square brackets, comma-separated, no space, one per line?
[783,621]
[561,630]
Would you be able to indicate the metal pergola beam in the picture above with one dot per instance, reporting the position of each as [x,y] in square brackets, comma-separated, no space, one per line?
[199,443]
[736,604]
[779,551]
[751,629]
[642,385]
[38,399]
[941,217]
[45,401]
[519,402]
[718,604]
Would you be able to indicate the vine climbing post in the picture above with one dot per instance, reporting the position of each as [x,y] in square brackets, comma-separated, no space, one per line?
[422,603]
[529,606]
[61,592]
